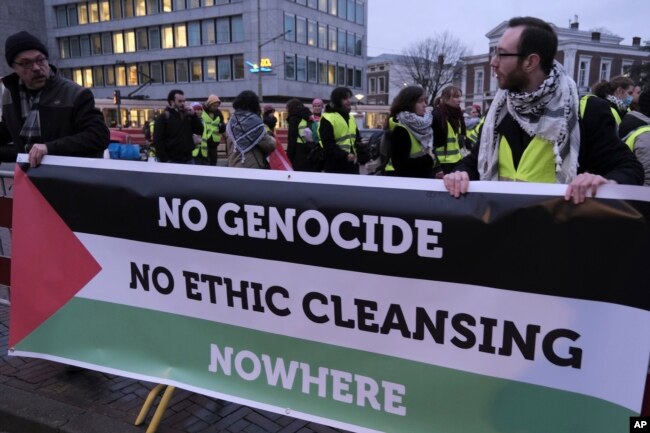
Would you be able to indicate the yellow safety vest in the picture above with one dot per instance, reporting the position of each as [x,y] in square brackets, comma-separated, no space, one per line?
[345,134]
[452,154]
[583,106]
[537,163]
[472,134]
[630,138]
[210,129]
[301,128]
[416,150]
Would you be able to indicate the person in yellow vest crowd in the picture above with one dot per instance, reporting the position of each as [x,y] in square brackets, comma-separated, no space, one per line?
[205,153]
[339,134]
[300,141]
[635,132]
[448,128]
[316,113]
[524,139]
[410,136]
[473,123]
[618,92]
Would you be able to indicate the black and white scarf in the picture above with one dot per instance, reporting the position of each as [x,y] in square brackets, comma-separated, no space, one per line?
[549,112]
[246,130]
[31,130]
[419,126]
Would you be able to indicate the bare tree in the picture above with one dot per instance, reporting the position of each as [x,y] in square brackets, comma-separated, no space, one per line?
[433,63]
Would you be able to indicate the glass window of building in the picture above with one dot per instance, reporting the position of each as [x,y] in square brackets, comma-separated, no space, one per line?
[224,68]
[331,74]
[289,67]
[322,72]
[116,9]
[140,8]
[301,2]
[358,45]
[75,51]
[359,16]
[120,75]
[238,67]
[153,7]
[104,10]
[154,38]
[340,75]
[166,5]
[209,69]
[98,76]
[170,71]
[313,4]
[349,80]
[223,31]
[118,42]
[96,42]
[127,8]
[341,8]
[237,24]
[289,27]
[82,12]
[322,36]
[301,30]
[357,78]
[64,48]
[301,68]
[312,71]
[208,3]
[341,42]
[77,77]
[93,12]
[84,41]
[143,73]
[109,75]
[141,39]
[61,16]
[322,5]
[181,71]
[223,2]
[156,72]
[129,41]
[167,36]
[194,4]
[351,10]
[350,44]
[194,33]
[312,33]
[72,15]
[179,5]
[196,73]
[88,77]
[331,32]
[180,32]
[132,75]
[107,43]
[332,8]
[208,32]
[381,84]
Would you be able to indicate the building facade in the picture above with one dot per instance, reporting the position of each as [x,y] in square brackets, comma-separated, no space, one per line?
[145,48]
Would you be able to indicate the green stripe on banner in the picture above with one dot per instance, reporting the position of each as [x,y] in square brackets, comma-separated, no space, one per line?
[436,399]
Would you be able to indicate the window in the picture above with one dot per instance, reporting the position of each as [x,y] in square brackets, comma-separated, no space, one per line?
[167,5]
[109,75]
[331,74]
[167,37]
[156,72]
[312,71]
[341,41]
[141,39]
[180,33]
[238,67]
[341,8]
[120,75]
[75,51]
[93,12]
[351,10]
[129,41]
[116,9]
[605,69]
[312,33]
[301,30]
[358,45]
[289,28]
[312,4]
[144,75]
[583,71]
[223,30]
[322,5]
[350,44]
[128,9]
[340,75]
[64,48]
[224,68]
[625,66]
[381,87]
[98,76]
[332,38]
[84,41]
[322,36]
[478,81]
[72,15]
[194,4]
[301,2]
[289,67]
[237,28]
[77,77]
[118,42]
[179,5]
[169,71]
[154,38]
[301,68]
[210,69]
[207,32]
[152,7]
[181,71]
[61,16]
[357,78]
[322,72]
[359,13]
[96,42]
[104,11]
[208,2]
[332,8]
[107,43]
[88,77]
[140,8]
[372,85]
[194,33]
[132,75]
[349,79]
[82,10]
[196,74]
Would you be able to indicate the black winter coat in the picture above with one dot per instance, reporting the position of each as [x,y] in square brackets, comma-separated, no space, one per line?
[173,135]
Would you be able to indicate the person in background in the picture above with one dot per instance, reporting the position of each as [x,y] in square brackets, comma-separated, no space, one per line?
[473,117]
[269,119]
[473,124]
[411,136]
[634,106]
[523,138]
[618,92]
[339,135]
[635,132]
[448,128]
[44,113]
[317,109]
[174,129]
[206,153]
[300,141]
[247,142]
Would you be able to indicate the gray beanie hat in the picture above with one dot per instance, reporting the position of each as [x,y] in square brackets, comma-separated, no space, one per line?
[22,41]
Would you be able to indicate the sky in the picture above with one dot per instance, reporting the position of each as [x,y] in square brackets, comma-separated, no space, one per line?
[393,25]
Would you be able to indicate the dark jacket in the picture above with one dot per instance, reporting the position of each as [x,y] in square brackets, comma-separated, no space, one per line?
[422,166]
[336,158]
[173,135]
[630,122]
[297,148]
[601,151]
[70,123]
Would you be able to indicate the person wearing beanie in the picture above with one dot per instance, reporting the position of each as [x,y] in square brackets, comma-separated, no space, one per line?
[213,126]
[269,119]
[635,132]
[44,113]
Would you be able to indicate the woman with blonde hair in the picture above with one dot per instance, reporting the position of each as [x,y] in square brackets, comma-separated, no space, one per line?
[448,128]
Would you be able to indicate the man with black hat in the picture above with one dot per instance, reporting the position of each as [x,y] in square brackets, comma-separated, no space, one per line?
[44,113]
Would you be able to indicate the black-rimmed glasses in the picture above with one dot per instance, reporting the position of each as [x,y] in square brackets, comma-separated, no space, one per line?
[29,64]
[499,54]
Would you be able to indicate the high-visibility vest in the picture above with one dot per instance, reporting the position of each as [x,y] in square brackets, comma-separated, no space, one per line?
[345,133]
[583,106]
[537,163]
[210,129]
[450,154]
[472,134]
[301,128]
[416,149]
[630,139]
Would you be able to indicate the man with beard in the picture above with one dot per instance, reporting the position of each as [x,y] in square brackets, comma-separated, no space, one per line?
[44,113]
[536,130]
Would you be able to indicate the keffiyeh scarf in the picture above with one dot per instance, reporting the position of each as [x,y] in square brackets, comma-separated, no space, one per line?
[31,130]
[550,112]
[419,126]
[246,130]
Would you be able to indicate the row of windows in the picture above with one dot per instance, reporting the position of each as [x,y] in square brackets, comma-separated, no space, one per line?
[220,68]
[95,11]
[307,69]
[351,10]
[377,85]
[584,67]
[195,33]
[309,32]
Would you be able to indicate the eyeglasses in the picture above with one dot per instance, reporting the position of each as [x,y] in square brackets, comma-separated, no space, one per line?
[498,54]
[29,64]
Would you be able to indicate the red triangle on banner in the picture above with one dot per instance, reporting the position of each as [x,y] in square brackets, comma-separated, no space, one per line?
[49,265]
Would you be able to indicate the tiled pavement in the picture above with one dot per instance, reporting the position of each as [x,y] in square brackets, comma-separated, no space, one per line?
[105,396]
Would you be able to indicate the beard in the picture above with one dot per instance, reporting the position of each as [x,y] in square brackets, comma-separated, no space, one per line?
[515,80]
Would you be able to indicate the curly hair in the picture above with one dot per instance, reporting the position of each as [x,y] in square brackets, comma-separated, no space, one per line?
[247,101]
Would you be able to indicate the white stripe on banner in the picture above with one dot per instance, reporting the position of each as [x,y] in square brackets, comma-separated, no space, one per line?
[610,342]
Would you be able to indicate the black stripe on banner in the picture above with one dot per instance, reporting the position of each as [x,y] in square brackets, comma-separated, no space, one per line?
[540,244]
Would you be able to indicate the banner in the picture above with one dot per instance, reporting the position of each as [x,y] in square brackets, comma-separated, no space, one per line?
[373,304]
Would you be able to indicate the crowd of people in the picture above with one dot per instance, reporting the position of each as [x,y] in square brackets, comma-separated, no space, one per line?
[537,128]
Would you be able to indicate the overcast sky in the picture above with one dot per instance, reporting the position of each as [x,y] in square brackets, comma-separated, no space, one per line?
[395,24]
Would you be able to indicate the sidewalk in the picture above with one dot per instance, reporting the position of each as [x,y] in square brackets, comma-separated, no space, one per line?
[38,396]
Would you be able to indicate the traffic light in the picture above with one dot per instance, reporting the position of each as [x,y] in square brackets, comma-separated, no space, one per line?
[116,97]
